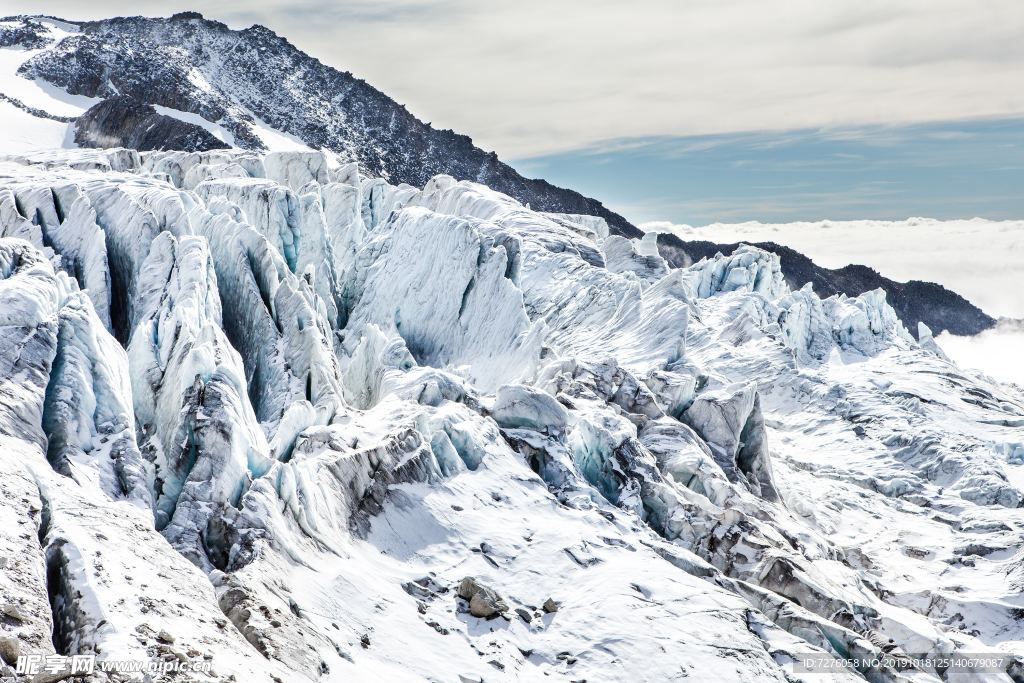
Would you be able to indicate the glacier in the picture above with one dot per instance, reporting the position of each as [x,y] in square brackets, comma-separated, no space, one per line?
[945,252]
[270,412]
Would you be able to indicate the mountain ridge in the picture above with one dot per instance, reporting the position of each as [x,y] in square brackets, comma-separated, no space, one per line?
[390,141]
[191,64]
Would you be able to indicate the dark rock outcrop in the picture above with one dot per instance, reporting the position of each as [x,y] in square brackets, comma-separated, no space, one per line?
[35,111]
[484,601]
[29,35]
[125,122]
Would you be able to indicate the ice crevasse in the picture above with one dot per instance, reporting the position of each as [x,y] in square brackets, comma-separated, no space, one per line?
[319,401]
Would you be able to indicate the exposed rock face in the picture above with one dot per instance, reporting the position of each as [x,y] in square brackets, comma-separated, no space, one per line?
[122,121]
[27,34]
[270,411]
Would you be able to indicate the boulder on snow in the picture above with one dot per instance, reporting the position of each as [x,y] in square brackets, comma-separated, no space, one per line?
[10,649]
[484,602]
[550,606]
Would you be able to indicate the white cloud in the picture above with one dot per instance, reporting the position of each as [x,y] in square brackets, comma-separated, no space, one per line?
[995,352]
[534,76]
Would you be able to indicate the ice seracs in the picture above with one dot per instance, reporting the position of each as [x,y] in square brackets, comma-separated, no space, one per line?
[317,402]
[190,394]
[731,423]
[60,216]
[457,307]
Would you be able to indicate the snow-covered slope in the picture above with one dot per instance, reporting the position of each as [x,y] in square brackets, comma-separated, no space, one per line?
[312,426]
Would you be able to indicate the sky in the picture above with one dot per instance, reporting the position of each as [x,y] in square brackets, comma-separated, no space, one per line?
[957,169]
[693,110]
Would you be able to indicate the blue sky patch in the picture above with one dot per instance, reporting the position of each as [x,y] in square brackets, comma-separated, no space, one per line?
[957,169]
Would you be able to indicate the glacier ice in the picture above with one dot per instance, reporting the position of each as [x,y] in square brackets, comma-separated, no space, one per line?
[311,402]
[518,407]
[190,393]
[732,425]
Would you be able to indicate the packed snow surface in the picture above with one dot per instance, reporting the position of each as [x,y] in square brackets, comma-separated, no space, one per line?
[265,411]
[979,259]
[24,132]
[38,94]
